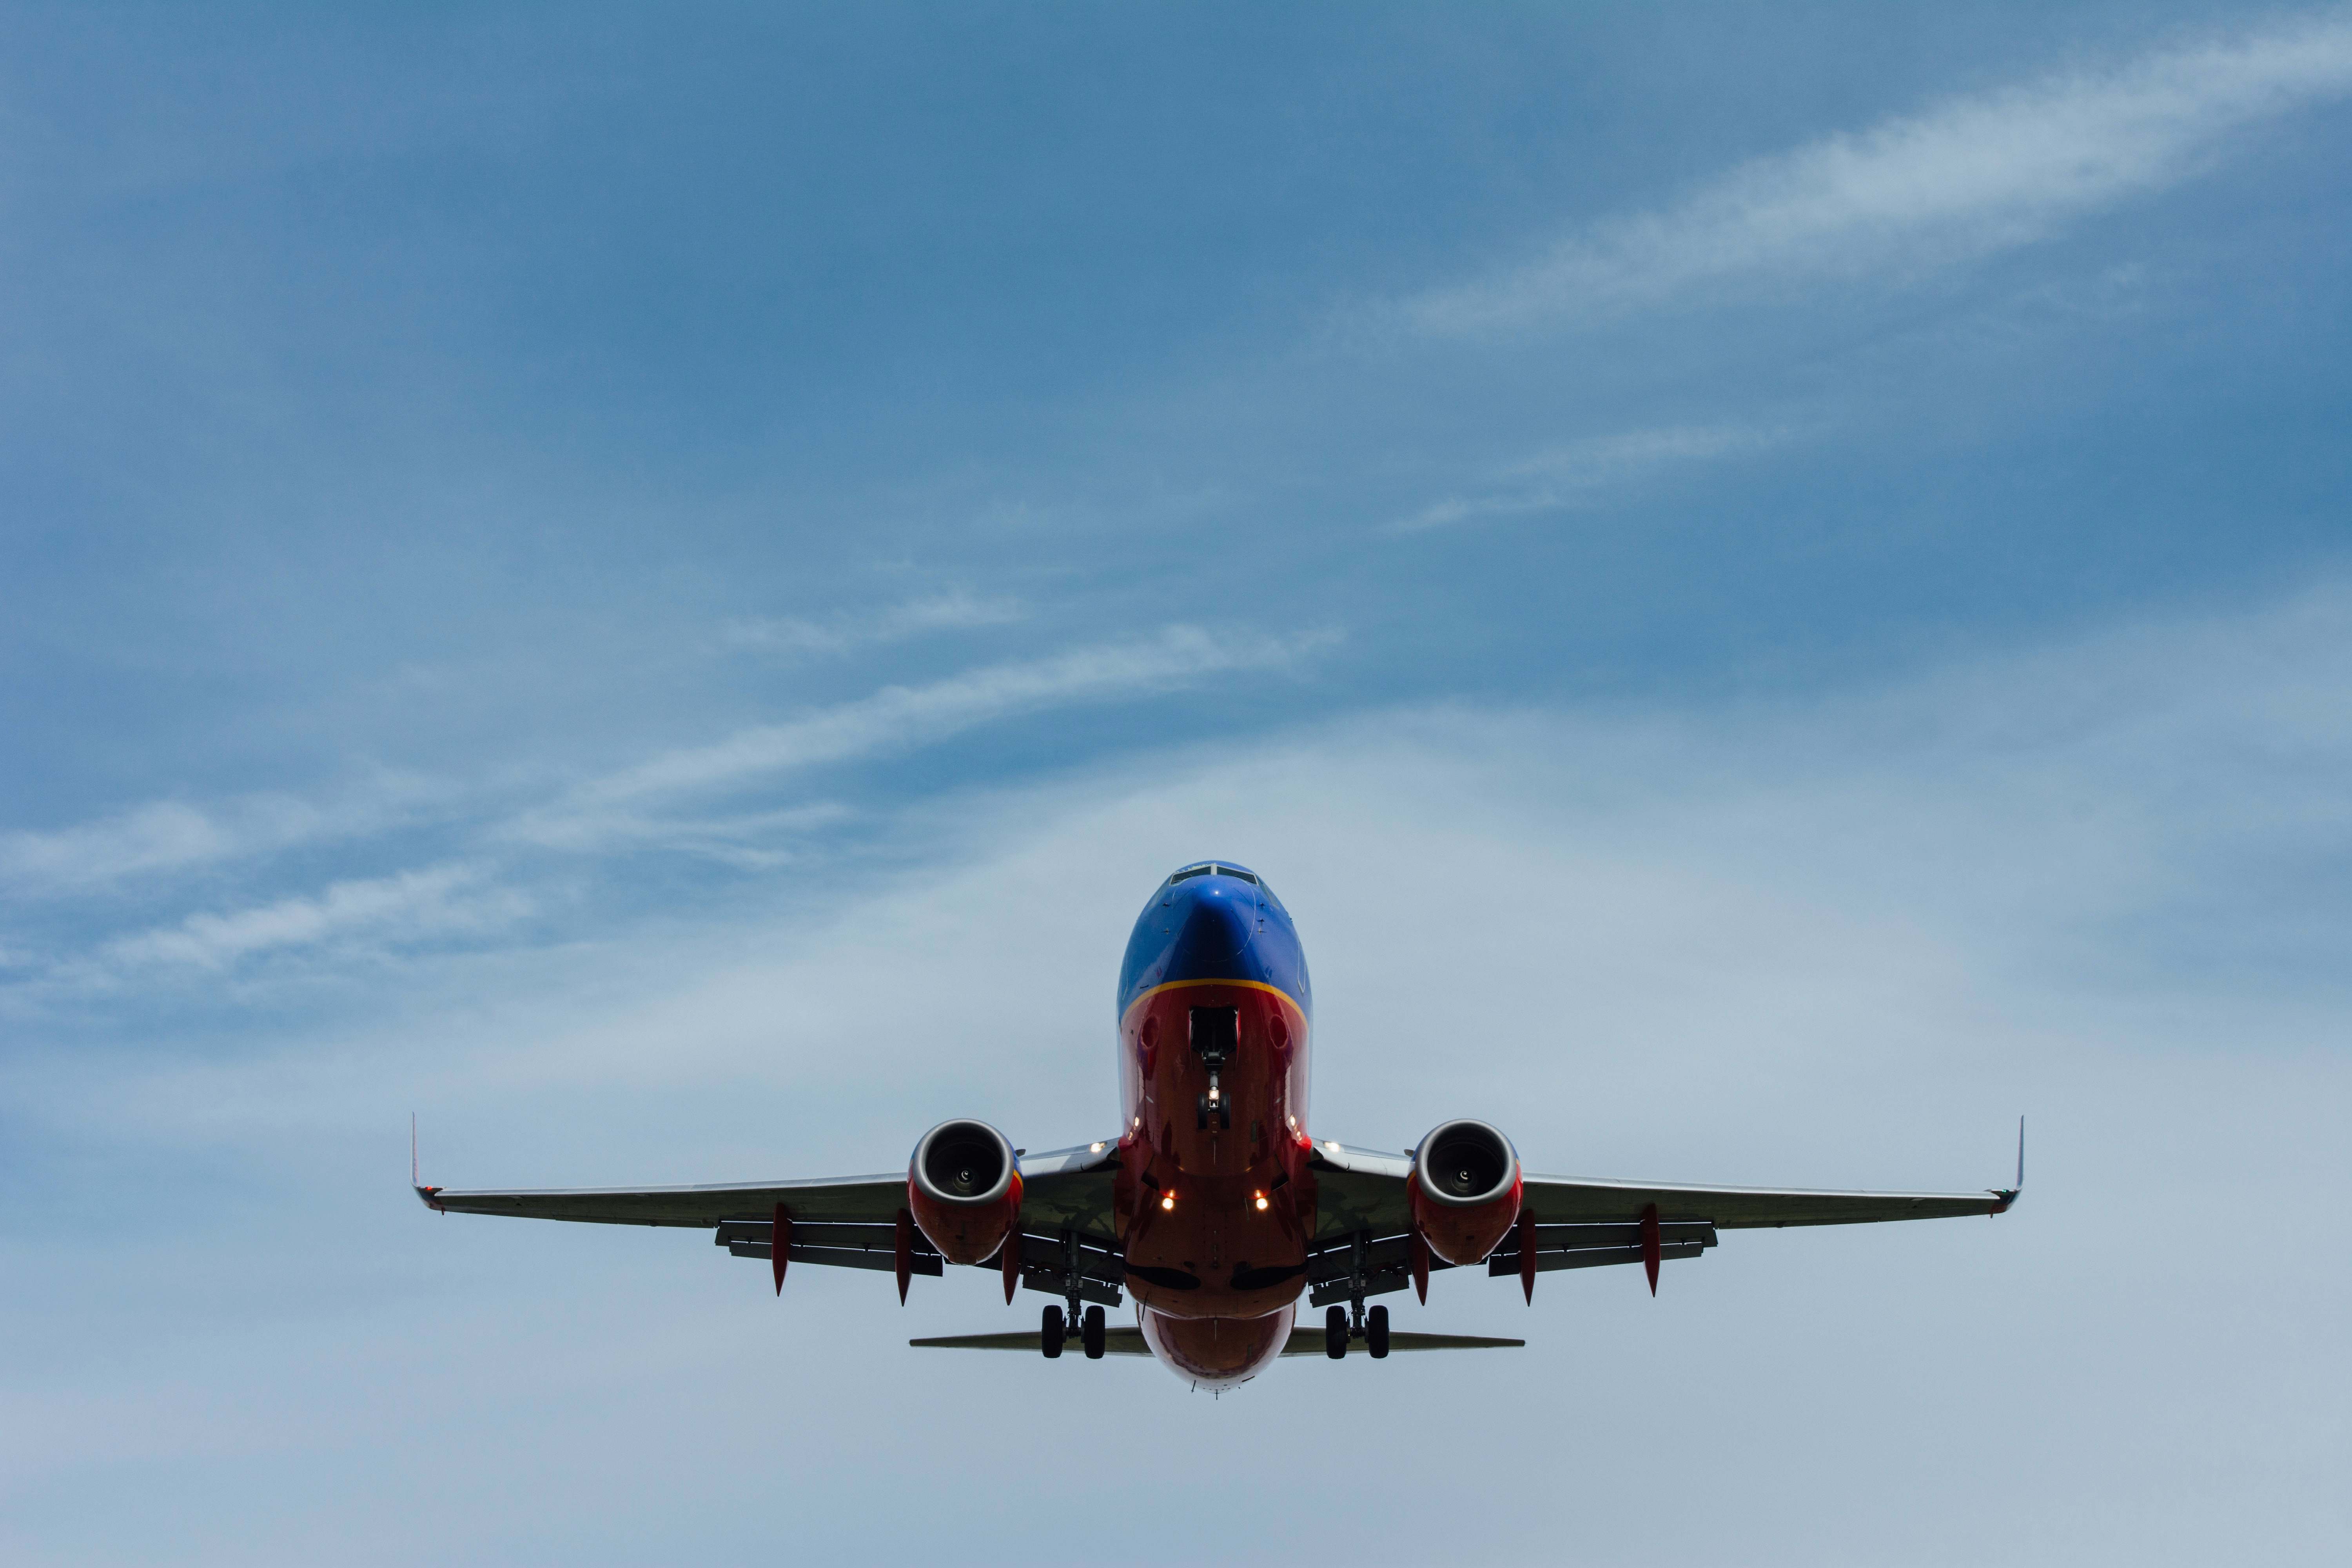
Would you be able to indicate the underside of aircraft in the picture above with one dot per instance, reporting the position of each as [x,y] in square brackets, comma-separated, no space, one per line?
[1214,1208]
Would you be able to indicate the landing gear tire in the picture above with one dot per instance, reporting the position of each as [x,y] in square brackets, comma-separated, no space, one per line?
[1376,1332]
[1335,1332]
[1050,1337]
[1091,1335]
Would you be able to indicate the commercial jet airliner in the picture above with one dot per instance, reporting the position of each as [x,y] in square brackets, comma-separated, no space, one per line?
[1212,1206]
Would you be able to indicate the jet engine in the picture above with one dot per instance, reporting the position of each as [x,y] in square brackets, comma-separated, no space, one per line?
[963,1187]
[1465,1190]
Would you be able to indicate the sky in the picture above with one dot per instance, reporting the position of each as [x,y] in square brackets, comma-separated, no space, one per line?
[1773,587]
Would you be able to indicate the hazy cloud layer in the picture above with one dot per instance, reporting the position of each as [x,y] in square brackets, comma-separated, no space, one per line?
[1827,943]
[1969,176]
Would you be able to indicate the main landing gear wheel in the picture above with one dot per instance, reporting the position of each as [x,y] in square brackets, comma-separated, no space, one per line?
[1050,1337]
[1376,1332]
[1335,1332]
[1092,1334]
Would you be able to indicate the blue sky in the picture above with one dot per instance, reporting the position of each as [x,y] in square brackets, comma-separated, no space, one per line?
[1770,586]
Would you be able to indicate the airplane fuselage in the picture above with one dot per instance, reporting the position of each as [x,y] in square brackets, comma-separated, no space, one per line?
[1215,1196]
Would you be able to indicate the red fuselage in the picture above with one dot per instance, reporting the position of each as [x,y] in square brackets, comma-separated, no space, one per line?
[1216,1201]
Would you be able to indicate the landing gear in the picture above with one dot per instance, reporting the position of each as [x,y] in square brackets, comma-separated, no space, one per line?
[1091,1336]
[1341,1324]
[1050,1336]
[1216,1036]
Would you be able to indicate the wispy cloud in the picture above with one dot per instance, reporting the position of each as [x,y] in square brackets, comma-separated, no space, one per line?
[168,835]
[1581,473]
[1973,175]
[957,611]
[412,905]
[898,718]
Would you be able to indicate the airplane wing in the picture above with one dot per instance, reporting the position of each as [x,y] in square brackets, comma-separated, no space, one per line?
[1365,1223]
[851,1221]
[1129,1342]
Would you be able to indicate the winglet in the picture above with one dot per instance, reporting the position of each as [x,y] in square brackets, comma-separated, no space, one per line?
[2010,1194]
[423,1192]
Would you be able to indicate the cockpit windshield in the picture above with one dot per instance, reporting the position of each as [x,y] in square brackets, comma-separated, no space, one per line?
[1188,872]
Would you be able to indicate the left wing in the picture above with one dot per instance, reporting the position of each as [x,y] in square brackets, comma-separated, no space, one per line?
[1365,1222]
[850,1221]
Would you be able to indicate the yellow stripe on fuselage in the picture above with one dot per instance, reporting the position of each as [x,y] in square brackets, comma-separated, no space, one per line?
[1181,984]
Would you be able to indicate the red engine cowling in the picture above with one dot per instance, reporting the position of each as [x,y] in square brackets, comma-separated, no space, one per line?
[1466,1190]
[963,1187]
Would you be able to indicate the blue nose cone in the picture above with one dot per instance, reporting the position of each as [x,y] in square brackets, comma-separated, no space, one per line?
[1214,921]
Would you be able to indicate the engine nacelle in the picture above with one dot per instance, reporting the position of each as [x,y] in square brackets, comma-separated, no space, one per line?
[963,1187]
[1465,1190]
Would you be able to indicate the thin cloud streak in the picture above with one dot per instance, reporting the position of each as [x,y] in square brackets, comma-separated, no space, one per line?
[901,717]
[1973,176]
[1581,473]
[168,835]
[957,611]
[438,900]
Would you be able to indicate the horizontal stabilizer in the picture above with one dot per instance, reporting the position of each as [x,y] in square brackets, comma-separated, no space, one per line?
[1129,1342]
[1116,1341]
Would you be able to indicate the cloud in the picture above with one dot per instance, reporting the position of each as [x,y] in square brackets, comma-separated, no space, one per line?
[163,836]
[169,835]
[898,718]
[440,900]
[957,611]
[1972,176]
[1582,472]
[1832,940]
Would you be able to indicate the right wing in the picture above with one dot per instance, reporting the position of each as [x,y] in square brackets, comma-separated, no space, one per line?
[1362,1241]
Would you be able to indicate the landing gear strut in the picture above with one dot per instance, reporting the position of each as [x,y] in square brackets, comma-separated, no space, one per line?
[1060,1327]
[1341,1324]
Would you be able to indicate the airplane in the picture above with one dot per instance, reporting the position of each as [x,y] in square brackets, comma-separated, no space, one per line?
[1212,1206]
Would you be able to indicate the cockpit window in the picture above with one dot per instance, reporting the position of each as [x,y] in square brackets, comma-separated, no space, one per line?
[1188,872]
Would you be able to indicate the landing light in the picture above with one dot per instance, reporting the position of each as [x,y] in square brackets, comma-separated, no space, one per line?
[1167,1200]
[1093,1148]
[1334,1147]
[1261,1201]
